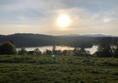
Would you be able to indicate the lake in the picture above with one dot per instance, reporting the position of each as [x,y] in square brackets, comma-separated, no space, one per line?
[44,48]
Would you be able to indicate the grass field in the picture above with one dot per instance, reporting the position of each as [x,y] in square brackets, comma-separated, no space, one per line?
[62,69]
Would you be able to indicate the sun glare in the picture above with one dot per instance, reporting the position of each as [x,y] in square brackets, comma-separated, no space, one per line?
[63,21]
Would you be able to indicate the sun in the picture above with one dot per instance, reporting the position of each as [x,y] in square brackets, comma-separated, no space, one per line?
[63,20]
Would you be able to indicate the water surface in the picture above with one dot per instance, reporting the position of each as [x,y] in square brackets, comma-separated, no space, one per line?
[44,48]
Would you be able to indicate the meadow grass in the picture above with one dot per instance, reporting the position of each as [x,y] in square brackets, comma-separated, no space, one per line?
[61,69]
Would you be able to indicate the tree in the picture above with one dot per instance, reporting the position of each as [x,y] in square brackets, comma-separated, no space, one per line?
[104,49]
[58,52]
[48,52]
[116,51]
[75,51]
[64,52]
[23,51]
[37,51]
[53,50]
[81,52]
[8,48]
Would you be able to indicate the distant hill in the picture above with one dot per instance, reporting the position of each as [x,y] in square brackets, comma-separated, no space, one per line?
[32,40]
[89,35]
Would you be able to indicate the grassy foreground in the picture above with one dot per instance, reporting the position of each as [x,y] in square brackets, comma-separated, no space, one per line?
[62,69]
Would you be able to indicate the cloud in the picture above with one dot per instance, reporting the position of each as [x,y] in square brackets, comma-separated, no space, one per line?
[42,14]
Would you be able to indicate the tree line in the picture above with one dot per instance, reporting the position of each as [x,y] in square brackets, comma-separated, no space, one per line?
[107,48]
[33,40]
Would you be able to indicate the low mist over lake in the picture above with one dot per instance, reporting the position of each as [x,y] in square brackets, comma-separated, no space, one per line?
[92,50]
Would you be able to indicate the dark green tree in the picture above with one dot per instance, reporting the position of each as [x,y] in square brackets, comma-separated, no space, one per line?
[37,51]
[54,50]
[75,52]
[116,51]
[104,49]
[8,48]
[64,52]
[23,51]
[81,52]
[48,52]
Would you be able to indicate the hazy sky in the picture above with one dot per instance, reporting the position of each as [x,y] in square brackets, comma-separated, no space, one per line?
[39,16]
